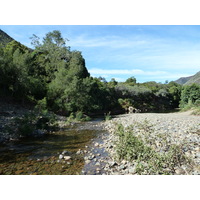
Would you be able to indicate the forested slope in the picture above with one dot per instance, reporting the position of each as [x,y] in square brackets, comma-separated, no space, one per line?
[5,38]
[52,77]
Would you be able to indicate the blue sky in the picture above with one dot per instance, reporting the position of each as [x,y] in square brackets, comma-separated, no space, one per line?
[149,53]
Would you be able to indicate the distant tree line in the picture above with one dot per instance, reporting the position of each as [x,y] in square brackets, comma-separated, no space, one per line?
[53,77]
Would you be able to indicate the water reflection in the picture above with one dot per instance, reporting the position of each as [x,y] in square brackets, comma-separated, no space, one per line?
[40,155]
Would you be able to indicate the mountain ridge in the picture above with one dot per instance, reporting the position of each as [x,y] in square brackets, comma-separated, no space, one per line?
[189,80]
[5,38]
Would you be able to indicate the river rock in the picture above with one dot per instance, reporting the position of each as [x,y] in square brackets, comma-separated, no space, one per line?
[132,170]
[65,152]
[121,167]
[179,171]
[78,152]
[97,163]
[87,161]
[67,157]
[96,144]
[112,163]
[91,157]
[61,156]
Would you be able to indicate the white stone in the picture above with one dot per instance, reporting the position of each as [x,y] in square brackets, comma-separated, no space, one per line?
[67,157]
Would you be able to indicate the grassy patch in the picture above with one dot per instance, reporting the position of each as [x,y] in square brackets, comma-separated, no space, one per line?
[196,111]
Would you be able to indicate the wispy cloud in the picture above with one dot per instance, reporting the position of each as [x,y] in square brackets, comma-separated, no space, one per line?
[138,50]
[125,72]
[137,73]
[111,41]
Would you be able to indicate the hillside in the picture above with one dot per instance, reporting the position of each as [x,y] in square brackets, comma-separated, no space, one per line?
[183,80]
[4,38]
[194,79]
[189,80]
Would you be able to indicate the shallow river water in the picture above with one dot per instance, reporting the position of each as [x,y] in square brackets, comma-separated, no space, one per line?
[41,155]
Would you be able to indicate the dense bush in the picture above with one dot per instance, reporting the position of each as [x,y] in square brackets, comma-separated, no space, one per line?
[190,96]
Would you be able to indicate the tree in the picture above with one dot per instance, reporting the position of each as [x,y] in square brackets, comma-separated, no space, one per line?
[51,54]
[76,65]
[131,81]
[112,83]
[189,95]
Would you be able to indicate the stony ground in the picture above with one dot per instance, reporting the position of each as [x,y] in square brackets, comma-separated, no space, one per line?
[176,128]
[7,113]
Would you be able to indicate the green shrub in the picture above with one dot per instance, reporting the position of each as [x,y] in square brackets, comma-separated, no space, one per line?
[26,124]
[131,147]
[29,123]
[78,117]
[107,116]
[42,106]
[197,103]
[196,111]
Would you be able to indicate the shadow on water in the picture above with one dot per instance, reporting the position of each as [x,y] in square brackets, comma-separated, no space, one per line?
[40,155]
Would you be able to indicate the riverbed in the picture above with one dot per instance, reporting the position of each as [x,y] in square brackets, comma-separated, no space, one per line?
[57,153]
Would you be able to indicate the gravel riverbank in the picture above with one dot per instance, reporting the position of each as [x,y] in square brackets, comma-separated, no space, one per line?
[162,130]
[181,128]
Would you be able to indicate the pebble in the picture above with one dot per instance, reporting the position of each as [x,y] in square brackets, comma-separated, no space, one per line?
[97,163]
[179,171]
[64,152]
[96,144]
[78,152]
[87,161]
[67,157]
[121,167]
[91,157]
[132,170]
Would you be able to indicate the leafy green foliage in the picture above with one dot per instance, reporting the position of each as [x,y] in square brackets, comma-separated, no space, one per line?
[78,117]
[190,96]
[131,81]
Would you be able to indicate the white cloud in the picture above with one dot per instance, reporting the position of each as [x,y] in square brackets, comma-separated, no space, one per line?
[141,75]
[114,71]
[125,72]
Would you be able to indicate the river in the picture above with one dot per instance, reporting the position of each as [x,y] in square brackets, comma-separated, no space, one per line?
[40,156]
